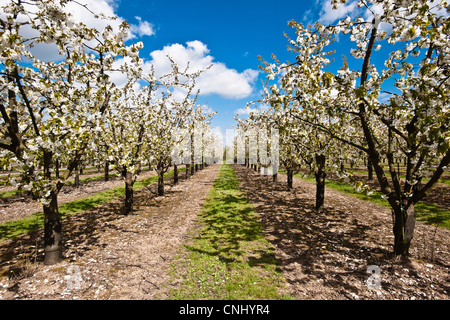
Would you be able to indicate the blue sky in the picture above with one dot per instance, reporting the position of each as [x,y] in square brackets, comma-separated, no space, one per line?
[229,33]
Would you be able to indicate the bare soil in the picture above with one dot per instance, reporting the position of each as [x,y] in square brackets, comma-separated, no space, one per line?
[21,206]
[108,255]
[325,254]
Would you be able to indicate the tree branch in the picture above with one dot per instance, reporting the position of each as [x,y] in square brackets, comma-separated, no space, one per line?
[420,194]
[27,102]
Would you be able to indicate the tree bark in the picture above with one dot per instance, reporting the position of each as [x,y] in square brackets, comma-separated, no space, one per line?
[175,174]
[160,182]
[52,220]
[404,224]
[369,169]
[107,171]
[290,174]
[57,169]
[52,231]
[77,177]
[129,194]
[320,181]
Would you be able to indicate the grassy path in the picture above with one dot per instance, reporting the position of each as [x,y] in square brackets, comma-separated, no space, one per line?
[229,258]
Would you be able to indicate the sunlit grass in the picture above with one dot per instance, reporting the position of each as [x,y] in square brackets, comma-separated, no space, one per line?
[229,259]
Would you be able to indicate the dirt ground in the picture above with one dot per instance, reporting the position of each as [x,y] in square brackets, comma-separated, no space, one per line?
[110,256]
[322,255]
[326,254]
[20,206]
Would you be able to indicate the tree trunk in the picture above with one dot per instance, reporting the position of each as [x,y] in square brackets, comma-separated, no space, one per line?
[404,224]
[175,174]
[187,171]
[160,182]
[274,177]
[52,220]
[77,177]
[128,190]
[320,181]
[52,231]
[369,169]
[57,169]
[290,174]
[107,171]
[320,191]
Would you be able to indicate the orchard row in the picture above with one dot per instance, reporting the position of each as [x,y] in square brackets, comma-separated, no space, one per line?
[392,103]
[94,105]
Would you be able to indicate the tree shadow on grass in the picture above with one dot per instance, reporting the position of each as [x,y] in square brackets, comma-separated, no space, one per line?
[230,228]
[225,227]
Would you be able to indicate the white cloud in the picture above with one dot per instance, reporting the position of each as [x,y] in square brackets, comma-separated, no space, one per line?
[218,79]
[307,17]
[144,28]
[107,8]
[244,111]
[329,15]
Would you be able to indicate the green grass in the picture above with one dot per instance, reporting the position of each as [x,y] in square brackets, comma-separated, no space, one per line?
[402,176]
[88,179]
[427,213]
[11,229]
[229,259]
[12,193]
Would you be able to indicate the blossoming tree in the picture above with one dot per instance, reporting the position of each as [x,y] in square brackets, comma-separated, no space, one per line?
[51,110]
[414,119]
